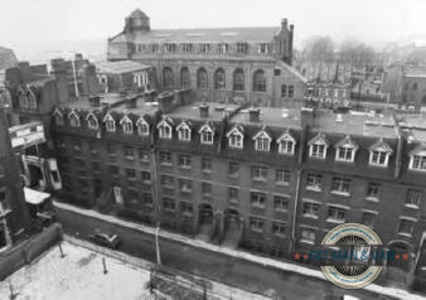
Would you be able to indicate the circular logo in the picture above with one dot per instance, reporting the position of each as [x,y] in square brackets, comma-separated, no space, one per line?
[352,266]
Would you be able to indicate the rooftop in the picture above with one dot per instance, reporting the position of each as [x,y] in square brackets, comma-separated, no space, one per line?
[121,67]
[7,58]
[203,35]
[192,111]
[277,117]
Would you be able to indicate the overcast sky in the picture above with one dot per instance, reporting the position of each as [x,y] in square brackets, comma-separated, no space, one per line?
[36,24]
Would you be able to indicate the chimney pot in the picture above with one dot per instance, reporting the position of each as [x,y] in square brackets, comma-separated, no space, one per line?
[254,115]
[204,111]
[95,101]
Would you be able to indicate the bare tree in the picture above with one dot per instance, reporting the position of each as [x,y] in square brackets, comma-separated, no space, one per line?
[356,54]
[319,51]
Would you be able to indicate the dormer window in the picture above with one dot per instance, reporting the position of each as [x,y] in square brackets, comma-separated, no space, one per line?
[318,147]
[418,160]
[109,123]
[74,119]
[127,125]
[207,135]
[379,154]
[346,149]
[262,141]
[143,127]
[164,130]
[286,144]
[235,138]
[184,132]
[92,121]
[58,118]
[32,101]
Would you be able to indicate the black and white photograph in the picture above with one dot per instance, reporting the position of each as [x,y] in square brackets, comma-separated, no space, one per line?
[213,150]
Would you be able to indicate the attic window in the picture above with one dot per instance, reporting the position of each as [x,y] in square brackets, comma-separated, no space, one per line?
[92,122]
[110,123]
[286,144]
[262,141]
[346,150]
[164,130]
[207,135]
[74,120]
[318,147]
[379,154]
[235,139]
[184,132]
[143,127]
[418,161]
[58,118]
[127,125]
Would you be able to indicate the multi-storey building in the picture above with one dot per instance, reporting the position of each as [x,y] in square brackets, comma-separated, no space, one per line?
[236,65]
[14,217]
[266,179]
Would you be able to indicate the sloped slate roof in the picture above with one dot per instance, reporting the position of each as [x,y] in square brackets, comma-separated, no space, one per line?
[7,58]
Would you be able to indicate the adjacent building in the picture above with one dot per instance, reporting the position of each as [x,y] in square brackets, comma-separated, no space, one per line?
[233,65]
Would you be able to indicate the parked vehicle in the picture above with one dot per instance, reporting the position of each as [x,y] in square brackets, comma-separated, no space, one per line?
[103,239]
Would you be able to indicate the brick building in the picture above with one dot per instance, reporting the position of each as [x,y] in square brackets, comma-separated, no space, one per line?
[234,65]
[266,179]
[14,217]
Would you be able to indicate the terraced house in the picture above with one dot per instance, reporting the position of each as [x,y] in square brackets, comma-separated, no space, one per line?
[236,65]
[270,180]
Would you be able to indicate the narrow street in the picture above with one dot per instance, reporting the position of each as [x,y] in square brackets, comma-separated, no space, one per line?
[239,273]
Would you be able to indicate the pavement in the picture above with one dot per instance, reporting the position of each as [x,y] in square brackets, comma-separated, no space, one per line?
[257,274]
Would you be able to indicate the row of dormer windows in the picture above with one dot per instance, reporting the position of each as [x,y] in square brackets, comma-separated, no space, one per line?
[241,48]
[318,148]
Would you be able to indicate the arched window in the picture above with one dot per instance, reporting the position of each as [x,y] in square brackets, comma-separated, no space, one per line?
[185,80]
[238,80]
[202,79]
[168,78]
[219,79]
[259,81]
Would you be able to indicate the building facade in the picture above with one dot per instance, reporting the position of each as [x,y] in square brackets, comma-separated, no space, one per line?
[233,65]
[266,179]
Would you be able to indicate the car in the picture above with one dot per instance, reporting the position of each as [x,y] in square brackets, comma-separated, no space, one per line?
[106,240]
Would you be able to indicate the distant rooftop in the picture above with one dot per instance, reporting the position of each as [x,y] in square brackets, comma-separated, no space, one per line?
[192,111]
[201,35]
[7,58]
[277,117]
[121,67]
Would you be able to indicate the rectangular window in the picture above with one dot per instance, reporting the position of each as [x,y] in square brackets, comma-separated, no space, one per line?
[204,48]
[314,182]
[185,185]
[143,155]
[341,185]
[283,90]
[277,72]
[307,235]
[418,162]
[290,91]
[222,48]
[186,208]
[242,48]
[170,47]
[345,153]
[165,158]
[146,177]
[169,204]
[318,150]
[256,224]
[281,203]
[233,193]
[206,165]
[336,214]
[129,152]
[187,47]
[413,198]
[368,219]
[184,161]
[167,181]
[258,199]
[233,169]
[373,191]
[4,203]
[110,150]
[278,228]
[262,48]
[311,209]
[206,188]
[259,173]
[282,176]
[131,173]
[406,226]
[379,158]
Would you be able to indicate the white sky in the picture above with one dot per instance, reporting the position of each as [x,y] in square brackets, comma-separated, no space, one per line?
[39,23]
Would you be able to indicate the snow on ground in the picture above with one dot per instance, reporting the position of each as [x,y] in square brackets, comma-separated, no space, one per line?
[79,275]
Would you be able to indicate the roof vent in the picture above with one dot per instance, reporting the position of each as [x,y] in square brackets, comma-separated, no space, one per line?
[254,115]
[339,118]
[285,113]
[204,111]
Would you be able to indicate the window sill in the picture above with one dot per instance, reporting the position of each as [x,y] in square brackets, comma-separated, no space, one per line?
[257,231]
[417,170]
[259,179]
[335,221]
[317,157]
[408,235]
[338,193]
[166,164]
[311,216]
[307,242]
[413,206]
[258,206]
[185,167]
[206,171]
[314,189]
[372,199]
[281,210]
[345,161]
[279,183]
[377,166]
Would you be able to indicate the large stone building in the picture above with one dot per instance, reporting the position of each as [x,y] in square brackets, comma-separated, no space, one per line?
[266,179]
[233,65]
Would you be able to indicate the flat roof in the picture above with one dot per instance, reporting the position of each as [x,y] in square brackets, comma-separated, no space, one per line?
[192,111]
[121,67]
[277,117]
[202,35]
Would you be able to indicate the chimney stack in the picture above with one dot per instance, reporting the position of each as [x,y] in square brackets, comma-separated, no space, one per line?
[132,102]
[307,117]
[254,114]
[204,110]
[284,23]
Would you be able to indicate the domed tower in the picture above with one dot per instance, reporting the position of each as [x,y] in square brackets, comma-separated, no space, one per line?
[137,21]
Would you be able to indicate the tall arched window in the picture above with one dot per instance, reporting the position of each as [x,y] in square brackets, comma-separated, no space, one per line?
[168,78]
[238,80]
[259,81]
[185,80]
[202,79]
[219,79]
